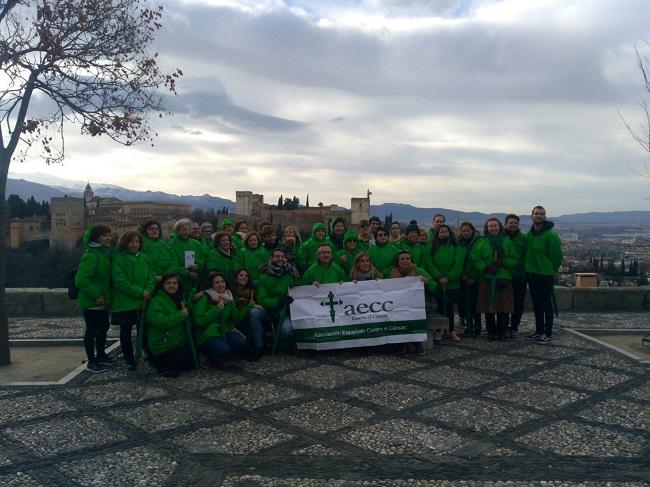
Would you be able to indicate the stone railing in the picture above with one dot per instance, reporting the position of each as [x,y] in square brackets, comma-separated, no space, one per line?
[54,302]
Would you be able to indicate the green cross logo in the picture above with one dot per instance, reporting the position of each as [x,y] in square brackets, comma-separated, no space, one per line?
[331,303]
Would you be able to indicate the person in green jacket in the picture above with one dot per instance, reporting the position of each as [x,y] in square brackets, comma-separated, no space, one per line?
[167,328]
[520,243]
[444,262]
[221,258]
[543,259]
[307,252]
[215,316]
[206,229]
[383,253]
[188,254]
[366,237]
[412,243]
[345,256]
[405,267]
[494,256]
[337,233]
[363,269]
[228,227]
[324,270]
[291,244]
[133,282]
[93,278]
[154,247]
[469,281]
[239,235]
[252,257]
[395,236]
[272,294]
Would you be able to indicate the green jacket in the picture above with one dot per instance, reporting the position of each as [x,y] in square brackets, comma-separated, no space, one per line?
[166,324]
[416,250]
[237,240]
[93,276]
[270,290]
[251,260]
[324,275]
[132,276]
[178,247]
[160,255]
[543,251]
[221,262]
[307,251]
[345,257]
[430,287]
[469,270]
[483,255]
[520,242]
[210,320]
[383,257]
[446,262]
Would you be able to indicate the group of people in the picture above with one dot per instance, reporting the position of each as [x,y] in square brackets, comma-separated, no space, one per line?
[223,292]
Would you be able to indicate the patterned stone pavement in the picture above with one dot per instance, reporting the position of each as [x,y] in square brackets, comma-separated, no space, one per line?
[474,413]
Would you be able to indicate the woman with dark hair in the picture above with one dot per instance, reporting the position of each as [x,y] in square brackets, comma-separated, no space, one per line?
[93,278]
[395,234]
[494,256]
[469,281]
[253,256]
[133,282]
[243,293]
[240,233]
[337,233]
[363,270]
[221,258]
[519,242]
[383,252]
[215,315]
[290,244]
[154,247]
[444,262]
[167,327]
[345,256]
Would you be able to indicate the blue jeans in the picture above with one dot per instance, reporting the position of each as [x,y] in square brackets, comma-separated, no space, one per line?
[217,348]
[260,319]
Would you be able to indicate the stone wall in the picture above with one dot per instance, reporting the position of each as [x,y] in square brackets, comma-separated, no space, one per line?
[54,302]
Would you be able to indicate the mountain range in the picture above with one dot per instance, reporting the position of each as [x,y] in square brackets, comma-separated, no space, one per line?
[44,187]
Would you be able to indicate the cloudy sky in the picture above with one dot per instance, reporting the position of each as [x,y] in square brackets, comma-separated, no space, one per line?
[489,105]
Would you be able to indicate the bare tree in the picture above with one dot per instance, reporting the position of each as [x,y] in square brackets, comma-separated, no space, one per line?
[642,134]
[82,62]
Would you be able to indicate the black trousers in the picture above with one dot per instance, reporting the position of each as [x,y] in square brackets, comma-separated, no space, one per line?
[125,320]
[496,324]
[174,360]
[97,325]
[518,297]
[469,297]
[541,292]
[446,301]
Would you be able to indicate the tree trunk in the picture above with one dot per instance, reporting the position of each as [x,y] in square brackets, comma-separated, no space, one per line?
[5,358]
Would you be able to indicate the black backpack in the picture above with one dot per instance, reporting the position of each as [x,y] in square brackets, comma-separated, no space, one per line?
[73,290]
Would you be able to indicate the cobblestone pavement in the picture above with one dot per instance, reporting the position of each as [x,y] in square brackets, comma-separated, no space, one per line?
[473,413]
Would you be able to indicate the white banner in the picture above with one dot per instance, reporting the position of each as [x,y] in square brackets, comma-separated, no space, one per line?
[365,313]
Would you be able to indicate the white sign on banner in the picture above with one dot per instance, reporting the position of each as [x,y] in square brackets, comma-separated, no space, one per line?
[189,258]
[365,313]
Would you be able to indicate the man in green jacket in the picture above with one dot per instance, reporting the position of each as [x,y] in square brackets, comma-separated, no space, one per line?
[324,270]
[543,259]
[188,254]
[520,243]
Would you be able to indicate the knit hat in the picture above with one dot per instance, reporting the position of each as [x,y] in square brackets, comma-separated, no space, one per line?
[412,227]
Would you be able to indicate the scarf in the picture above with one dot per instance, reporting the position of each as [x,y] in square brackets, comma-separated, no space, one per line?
[214,295]
[177,298]
[496,241]
[281,270]
[365,276]
[242,295]
[513,234]
[396,272]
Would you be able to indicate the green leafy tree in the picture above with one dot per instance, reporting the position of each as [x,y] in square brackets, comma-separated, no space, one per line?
[91,64]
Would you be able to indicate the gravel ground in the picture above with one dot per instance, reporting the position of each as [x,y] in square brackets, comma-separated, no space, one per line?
[402,436]
[581,377]
[117,392]
[543,397]
[64,435]
[253,396]
[322,415]
[137,466]
[238,438]
[325,377]
[383,363]
[452,377]
[159,416]
[31,406]
[18,479]
[395,395]
[316,450]
[479,415]
[642,392]
[565,438]
[505,364]
[622,413]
